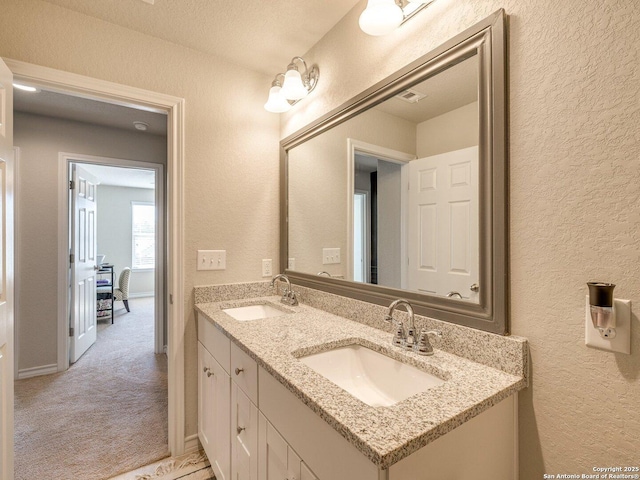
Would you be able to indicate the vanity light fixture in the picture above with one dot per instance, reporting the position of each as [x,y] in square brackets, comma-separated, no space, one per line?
[382,17]
[276,103]
[295,86]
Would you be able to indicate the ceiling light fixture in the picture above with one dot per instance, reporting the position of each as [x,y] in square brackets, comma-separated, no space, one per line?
[25,88]
[142,126]
[382,17]
[295,86]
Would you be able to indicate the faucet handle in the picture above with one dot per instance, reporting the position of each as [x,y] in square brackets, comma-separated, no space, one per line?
[424,347]
[400,336]
[292,297]
[412,338]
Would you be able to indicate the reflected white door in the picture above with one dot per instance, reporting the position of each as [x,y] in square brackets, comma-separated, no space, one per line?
[360,237]
[83,330]
[6,273]
[443,242]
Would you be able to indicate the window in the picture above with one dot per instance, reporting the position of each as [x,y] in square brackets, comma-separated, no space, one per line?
[143,229]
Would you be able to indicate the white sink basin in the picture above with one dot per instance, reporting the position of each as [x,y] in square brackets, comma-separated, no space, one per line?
[372,377]
[253,312]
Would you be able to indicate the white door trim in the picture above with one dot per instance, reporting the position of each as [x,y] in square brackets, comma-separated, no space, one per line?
[96,89]
[383,153]
[64,160]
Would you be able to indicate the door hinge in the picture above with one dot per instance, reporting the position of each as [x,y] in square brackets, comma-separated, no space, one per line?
[71,331]
[72,185]
[72,258]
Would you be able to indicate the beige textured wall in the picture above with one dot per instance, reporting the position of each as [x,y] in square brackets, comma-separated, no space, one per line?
[450,131]
[231,142]
[574,201]
[40,140]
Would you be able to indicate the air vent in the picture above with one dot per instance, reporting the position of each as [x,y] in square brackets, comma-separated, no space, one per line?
[411,96]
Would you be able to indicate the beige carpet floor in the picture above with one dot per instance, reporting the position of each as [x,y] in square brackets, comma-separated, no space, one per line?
[106,415]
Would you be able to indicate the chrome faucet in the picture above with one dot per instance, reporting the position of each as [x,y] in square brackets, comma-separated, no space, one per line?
[289,296]
[410,339]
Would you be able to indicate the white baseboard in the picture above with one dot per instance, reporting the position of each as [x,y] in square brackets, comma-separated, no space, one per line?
[141,294]
[37,371]
[192,444]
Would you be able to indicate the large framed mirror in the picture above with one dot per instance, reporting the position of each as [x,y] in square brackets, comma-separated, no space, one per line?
[402,192]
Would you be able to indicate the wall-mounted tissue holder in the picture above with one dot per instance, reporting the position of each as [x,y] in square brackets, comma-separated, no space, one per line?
[607,320]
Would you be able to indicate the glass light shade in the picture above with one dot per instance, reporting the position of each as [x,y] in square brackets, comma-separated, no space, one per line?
[293,88]
[380,17]
[276,103]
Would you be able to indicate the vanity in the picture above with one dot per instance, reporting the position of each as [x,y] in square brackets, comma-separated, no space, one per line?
[418,204]
[266,414]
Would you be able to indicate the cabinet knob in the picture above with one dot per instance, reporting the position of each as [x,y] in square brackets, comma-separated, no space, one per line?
[239,371]
[208,371]
[239,430]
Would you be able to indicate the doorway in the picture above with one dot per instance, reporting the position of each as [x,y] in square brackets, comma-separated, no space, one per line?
[173,107]
[129,241]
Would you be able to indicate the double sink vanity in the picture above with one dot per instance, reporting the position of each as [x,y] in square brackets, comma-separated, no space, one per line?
[300,392]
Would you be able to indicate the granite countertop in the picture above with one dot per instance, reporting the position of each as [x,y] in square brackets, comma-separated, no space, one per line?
[385,435]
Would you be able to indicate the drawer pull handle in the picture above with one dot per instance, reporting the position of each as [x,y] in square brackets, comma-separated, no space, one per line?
[239,371]
[239,430]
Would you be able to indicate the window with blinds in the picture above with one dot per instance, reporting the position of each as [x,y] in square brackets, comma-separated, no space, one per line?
[143,228]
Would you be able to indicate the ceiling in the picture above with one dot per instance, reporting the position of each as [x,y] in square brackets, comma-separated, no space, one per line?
[67,107]
[262,35]
[121,176]
[452,88]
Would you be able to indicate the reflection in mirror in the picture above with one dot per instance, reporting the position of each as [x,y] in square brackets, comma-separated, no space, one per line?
[390,197]
[402,191]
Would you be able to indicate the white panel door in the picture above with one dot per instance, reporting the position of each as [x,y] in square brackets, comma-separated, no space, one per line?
[244,436]
[6,273]
[443,243]
[84,267]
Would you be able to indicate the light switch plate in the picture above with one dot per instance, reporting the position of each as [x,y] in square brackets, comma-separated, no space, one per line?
[330,256]
[622,341]
[212,260]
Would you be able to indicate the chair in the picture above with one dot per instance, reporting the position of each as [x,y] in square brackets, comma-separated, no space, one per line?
[122,291]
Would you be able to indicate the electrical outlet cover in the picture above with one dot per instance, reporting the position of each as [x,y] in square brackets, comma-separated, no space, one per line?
[267,267]
[621,343]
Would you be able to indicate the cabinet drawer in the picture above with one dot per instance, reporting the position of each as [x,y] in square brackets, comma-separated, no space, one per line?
[215,341]
[244,372]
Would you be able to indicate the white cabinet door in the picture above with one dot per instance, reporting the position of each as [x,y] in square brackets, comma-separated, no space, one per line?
[305,473]
[293,464]
[278,461]
[214,404]
[273,452]
[244,436]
